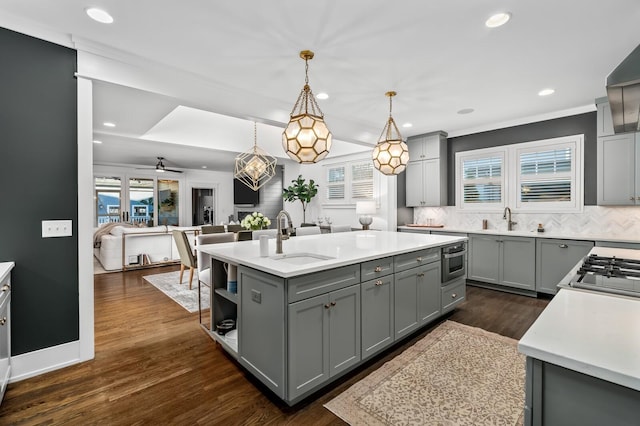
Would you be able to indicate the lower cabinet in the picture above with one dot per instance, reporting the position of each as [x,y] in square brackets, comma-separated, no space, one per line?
[377,315]
[324,338]
[554,260]
[417,297]
[453,294]
[503,260]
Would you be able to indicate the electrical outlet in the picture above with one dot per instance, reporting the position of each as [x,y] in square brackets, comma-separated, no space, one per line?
[256,296]
[56,228]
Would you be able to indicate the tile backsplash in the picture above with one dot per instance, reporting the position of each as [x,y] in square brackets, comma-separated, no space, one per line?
[592,220]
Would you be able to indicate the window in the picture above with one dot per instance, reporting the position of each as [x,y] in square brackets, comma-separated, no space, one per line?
[349,182]
[482,180]
[533,176]
[548,176]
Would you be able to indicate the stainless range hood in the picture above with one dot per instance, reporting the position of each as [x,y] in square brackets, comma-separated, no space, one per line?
[623,91]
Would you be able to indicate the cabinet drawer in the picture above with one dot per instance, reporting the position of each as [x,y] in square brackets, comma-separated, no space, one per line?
[453,295]
[406,261]
[310,285]
[376,268]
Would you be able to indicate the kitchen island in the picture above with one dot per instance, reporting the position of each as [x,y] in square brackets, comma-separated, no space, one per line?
[583,356]
[330,302]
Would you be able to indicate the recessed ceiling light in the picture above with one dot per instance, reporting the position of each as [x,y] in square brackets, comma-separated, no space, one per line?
[498,19]
[322,95]
[99,15]
[108,124]
[466,111]
[546,92]
[407,125]
[204,167]
[98,142]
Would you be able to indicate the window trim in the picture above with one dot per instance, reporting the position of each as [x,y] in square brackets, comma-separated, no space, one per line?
[348,200]
[511,176]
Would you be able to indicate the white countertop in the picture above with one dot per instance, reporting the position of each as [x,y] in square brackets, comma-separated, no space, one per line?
[532,233]
[344,248]
[5,269]
[592,333]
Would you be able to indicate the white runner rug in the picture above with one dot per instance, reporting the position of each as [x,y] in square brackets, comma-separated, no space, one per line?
[180,293]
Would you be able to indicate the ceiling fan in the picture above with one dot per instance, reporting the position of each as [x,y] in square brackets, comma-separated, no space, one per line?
[160,167]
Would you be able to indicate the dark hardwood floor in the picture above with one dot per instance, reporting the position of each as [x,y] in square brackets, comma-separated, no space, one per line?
[155,365]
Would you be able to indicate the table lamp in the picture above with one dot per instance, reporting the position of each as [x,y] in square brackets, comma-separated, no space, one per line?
[365,209]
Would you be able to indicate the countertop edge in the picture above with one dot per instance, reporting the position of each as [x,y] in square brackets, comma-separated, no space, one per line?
[580,367]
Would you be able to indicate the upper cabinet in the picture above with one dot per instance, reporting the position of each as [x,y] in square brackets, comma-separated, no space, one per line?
[426,172]
[618,159]
[605,122]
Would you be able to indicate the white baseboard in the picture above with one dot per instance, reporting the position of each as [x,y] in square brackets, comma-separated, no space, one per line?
[44,360]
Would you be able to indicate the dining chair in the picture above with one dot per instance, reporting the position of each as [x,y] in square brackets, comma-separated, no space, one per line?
[243,235]
[340,228]
[307,230]
[204,261]
[212,229]
[187,258]
[234,228]
[270,232]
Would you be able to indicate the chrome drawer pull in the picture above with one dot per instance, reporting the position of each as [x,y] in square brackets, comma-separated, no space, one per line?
[453,295]
[378,282]
[333,303]
[3,321]
[563,246]
[378,269]
[6,287]
[326,306]
[419,259]
[421,275]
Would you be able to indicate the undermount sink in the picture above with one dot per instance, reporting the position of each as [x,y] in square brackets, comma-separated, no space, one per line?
[300,258]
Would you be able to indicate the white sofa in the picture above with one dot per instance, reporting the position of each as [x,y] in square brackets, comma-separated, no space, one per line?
[141,245]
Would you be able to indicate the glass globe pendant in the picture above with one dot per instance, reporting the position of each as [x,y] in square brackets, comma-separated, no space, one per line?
[255,167]
[391,154]
[306,139]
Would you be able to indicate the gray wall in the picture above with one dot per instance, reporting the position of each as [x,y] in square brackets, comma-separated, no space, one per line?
[271,200]
[38,149]
[566,126]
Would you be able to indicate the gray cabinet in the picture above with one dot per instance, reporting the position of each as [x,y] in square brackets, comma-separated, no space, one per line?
[416,297]
[556,395]
[377,304]
[324,338]
[426,173]
[503,260]
[554,260]
[261,311]
[453,294]
[605,122]
[617,180]
[484,258]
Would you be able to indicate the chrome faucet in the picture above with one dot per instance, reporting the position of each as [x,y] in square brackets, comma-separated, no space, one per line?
[507,217]
[289,230]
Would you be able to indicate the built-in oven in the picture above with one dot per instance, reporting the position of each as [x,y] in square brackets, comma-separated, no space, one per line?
[454,261]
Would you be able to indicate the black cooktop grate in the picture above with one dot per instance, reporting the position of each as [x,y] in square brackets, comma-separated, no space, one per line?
[609,267]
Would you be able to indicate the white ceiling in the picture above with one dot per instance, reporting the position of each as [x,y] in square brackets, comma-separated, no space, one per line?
[438,56]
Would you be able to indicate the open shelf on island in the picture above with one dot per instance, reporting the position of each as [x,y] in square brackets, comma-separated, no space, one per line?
[233,297]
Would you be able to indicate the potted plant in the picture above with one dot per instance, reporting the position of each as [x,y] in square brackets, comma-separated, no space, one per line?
[300,190]
[255,221]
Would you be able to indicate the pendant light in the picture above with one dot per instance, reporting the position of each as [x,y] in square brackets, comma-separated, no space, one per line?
[255,167]
[306,139]
[391,154]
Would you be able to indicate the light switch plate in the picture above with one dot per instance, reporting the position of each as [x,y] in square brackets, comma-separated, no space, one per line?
[56,228]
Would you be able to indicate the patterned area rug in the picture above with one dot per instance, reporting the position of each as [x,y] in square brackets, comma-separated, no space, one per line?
[180,293]
[456,375]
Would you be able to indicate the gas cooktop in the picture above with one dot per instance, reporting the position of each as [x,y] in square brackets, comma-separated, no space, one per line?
[607,274]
